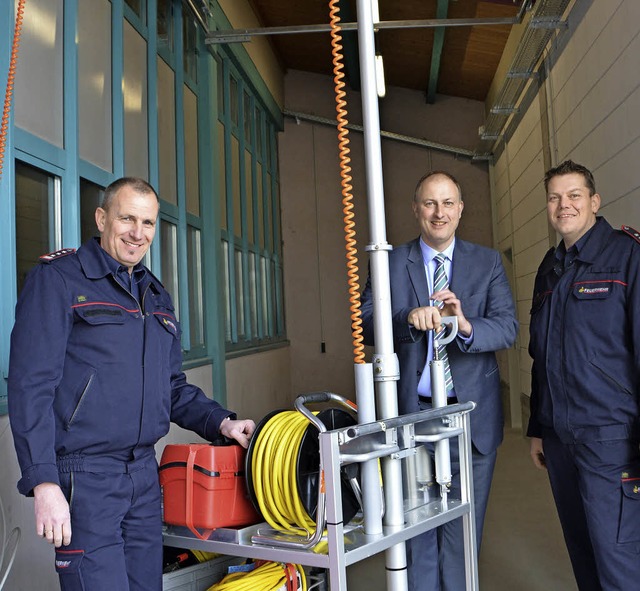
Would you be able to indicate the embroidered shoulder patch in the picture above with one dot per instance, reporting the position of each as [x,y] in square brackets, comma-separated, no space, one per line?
[631,232]
[52,256]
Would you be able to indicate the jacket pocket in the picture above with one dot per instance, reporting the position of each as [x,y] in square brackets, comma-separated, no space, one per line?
[97,314]
[628,530]
[626,388]
[81,398]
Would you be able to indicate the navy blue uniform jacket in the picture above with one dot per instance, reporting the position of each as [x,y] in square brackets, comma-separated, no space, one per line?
[585,341]
[479,281]
[92,371]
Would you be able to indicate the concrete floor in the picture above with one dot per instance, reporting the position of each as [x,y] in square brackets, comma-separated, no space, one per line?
[522,549]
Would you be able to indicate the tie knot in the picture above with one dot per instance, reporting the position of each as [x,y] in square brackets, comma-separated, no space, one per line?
[440,258]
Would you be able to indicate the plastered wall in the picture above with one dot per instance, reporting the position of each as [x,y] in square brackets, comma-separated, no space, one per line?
[316,296]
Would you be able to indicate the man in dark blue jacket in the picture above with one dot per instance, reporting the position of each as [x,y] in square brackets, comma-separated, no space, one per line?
[585,345]
[94,379]
[478,294]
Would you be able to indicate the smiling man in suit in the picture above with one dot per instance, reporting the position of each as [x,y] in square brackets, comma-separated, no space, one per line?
[474,288]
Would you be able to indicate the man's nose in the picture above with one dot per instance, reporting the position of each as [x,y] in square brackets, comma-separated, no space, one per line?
[137,231]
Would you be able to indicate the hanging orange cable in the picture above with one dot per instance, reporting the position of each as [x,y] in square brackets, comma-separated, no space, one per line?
[347,196]
[12,73]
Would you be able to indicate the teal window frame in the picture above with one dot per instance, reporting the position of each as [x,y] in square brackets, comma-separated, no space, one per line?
[254,301]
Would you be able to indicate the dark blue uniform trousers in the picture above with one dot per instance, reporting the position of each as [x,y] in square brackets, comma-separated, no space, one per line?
[596,487]
[116,528]
[435,559]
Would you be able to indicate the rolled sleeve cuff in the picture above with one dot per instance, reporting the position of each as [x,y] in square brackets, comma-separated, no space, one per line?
[36,475]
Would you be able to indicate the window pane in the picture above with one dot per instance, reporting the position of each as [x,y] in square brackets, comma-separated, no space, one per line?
[222,180]
[268,206]
[194,266]
[169,261]
[264,277]
[261,206]
[220,84]
[260,202]
[90,199]
[134,90]
[190,43]
[253,295]
[191,151]
[248,195]
[239,295]
[247,117]
[259,134]
[94,82]
[38,96]
[233,100]
[34,236]
[226,283]
[277,242]
[278,303]
[235,182]
[167,132]
[165,24]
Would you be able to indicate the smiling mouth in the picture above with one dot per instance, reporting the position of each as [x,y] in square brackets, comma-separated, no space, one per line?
[131,244]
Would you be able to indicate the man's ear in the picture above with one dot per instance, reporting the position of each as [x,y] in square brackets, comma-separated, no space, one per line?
[101,216]
[595,202]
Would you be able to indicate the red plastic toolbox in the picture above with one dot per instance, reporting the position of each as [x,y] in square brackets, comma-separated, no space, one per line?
[203,486]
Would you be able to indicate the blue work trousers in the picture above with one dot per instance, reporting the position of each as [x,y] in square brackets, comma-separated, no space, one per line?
[116,528]
[596,487]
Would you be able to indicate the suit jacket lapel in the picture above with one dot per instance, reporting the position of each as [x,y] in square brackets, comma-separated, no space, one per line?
[461,269]
[417,276]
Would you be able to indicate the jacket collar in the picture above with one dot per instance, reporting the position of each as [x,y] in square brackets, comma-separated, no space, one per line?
[596,241]
[95,265]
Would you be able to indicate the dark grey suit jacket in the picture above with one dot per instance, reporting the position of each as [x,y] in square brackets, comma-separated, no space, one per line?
[479,281]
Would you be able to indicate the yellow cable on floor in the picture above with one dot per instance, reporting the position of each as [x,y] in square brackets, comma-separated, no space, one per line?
[269,576]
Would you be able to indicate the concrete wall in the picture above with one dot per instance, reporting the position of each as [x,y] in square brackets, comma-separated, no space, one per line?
[589,109]
[316,290]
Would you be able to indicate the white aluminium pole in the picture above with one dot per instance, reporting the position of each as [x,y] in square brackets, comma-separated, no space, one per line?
[385,361]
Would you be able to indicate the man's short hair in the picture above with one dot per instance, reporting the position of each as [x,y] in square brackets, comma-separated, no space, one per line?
[570,167]
[138,185]
[437,173]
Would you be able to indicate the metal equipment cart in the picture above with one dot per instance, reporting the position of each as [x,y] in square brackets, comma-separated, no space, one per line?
[397,438]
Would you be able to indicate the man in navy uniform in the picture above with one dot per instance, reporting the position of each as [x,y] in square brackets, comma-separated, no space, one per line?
[94,379]
[585,345]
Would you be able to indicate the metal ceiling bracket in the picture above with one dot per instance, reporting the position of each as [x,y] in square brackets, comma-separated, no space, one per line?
[522,74]
[546,22]
[504,110]
[232,39]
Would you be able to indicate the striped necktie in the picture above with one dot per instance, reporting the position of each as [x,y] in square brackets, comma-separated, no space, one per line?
[440,281]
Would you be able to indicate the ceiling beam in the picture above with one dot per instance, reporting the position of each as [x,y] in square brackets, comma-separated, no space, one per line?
[436,53]
[243,35]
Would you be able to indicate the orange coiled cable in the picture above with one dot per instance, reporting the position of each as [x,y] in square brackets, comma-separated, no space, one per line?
[12,73]
[347,196]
